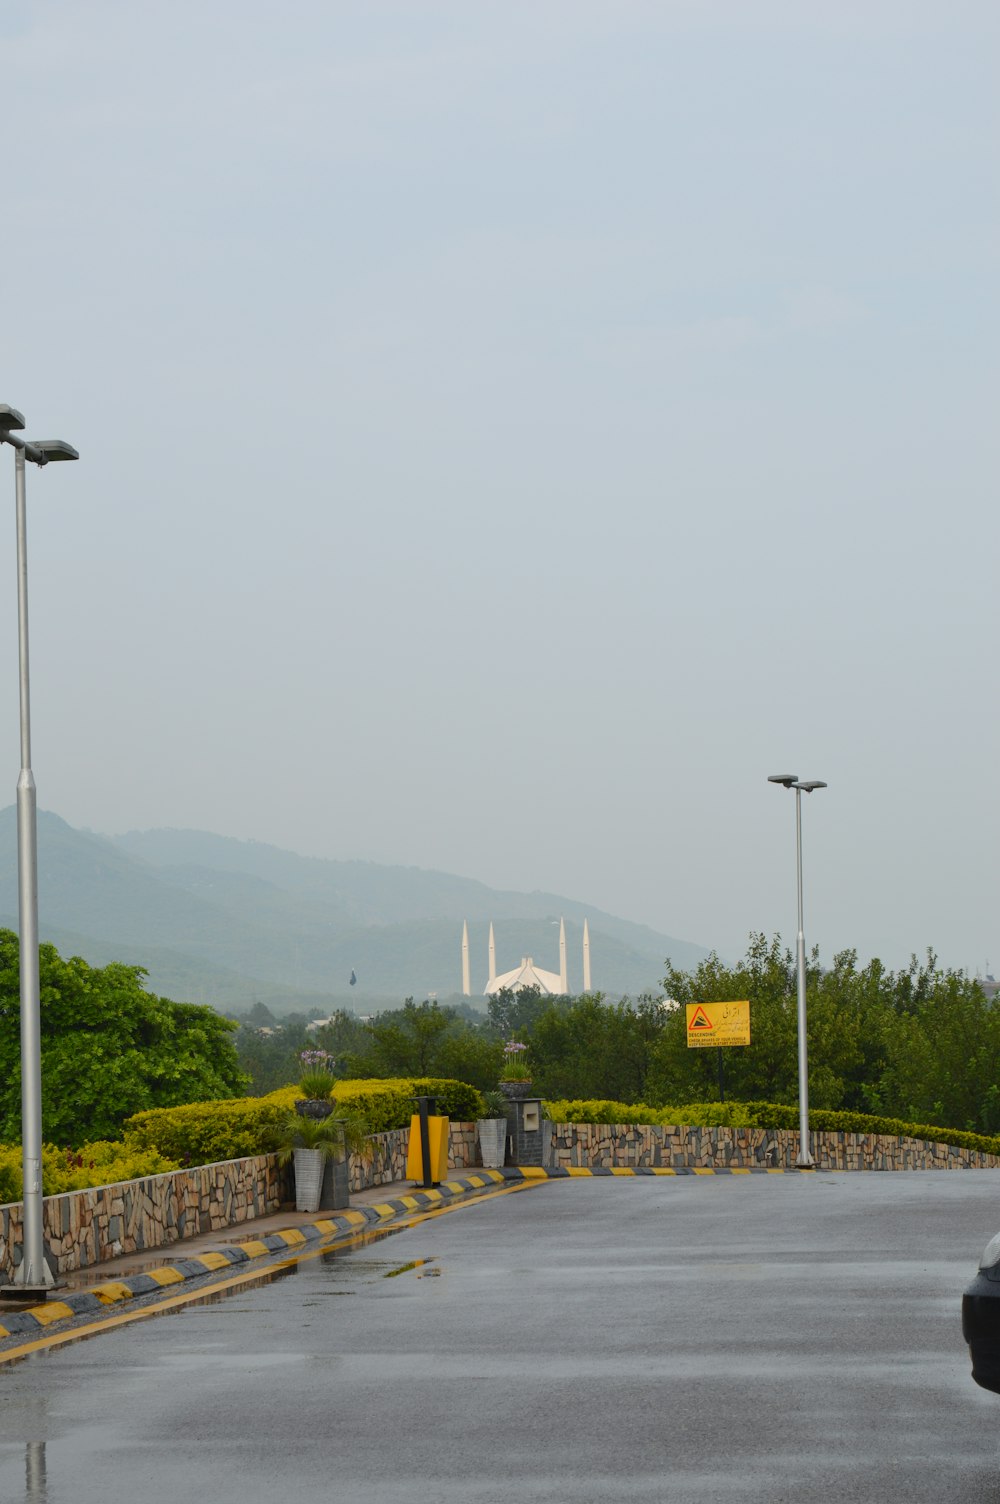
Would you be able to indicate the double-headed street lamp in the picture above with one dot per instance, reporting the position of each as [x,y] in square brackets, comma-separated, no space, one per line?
[32,1276]
[791,781]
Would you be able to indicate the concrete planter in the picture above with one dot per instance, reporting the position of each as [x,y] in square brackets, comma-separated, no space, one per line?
[492,1134]
[309,1167]
[515,1091]
[313,1107]
[336,1193]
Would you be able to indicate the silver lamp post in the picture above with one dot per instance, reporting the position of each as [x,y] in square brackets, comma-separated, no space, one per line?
[791,781]
[32,1278]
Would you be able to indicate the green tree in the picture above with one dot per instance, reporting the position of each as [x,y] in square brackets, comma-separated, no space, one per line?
[588,1048]
[424,1039]
[405,1041]
[109,1048]
[342,1037]
[469,1054]
[942,1050]
[921,1044]
[260,1017]
[513,1015]
[271,1060]
[764,1069]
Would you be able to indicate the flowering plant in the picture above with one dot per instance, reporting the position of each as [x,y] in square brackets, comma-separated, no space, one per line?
[316,1081]
[317,1060]
[515,1062]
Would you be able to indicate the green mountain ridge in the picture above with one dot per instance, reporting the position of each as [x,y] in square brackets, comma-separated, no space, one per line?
[228,922]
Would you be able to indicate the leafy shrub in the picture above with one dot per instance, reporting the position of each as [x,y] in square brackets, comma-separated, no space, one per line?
[823,1120]
[455,1099]
[390,1104]
[10,1175]
[599,1111]
[204,1132]
[698,1114]
[763,1115]
[99,1163]
[858,1122]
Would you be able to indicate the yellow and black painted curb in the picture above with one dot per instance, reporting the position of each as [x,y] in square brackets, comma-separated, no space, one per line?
[291,1239]
[532,1172]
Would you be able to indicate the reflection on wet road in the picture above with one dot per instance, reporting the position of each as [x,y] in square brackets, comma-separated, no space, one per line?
[219,1284]
[702,1341]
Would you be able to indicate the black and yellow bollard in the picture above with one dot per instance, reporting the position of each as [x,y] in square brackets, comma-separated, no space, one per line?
[427,1154]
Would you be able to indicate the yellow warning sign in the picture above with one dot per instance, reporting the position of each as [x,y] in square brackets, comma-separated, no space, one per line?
[718,1024]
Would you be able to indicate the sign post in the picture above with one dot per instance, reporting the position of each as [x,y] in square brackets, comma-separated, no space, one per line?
[718,1025]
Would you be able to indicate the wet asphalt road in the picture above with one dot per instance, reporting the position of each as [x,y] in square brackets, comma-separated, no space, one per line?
[728,1339]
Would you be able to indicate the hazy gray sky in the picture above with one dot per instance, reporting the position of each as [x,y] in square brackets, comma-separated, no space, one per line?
[509,432]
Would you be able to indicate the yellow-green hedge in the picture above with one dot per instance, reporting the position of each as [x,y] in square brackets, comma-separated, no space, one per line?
[204,1132]
[99,1163]
[696,1114]
[762,1115]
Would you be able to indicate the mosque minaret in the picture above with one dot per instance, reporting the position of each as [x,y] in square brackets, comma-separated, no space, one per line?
[549,983]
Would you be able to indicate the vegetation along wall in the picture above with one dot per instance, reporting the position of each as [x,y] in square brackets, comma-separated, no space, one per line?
[100,1222]
[635,1145]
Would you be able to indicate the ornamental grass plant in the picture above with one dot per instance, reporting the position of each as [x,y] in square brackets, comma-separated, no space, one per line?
[316,1082]
[495,1105]
[516,1066]
[316,1086]
[295,1132]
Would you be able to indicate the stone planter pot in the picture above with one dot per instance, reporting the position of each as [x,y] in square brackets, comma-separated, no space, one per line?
[515,1091]
[313,1107]
[492,1133]
[309,1167]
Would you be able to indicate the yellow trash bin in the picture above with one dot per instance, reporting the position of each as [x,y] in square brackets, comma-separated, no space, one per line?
[437,1128]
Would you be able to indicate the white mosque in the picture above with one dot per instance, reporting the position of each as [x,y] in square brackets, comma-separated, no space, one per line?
[549,983]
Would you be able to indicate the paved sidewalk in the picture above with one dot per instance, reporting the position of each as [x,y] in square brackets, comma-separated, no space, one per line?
[223,1237]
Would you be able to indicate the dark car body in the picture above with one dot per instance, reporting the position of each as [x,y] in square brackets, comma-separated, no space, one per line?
[981,1319]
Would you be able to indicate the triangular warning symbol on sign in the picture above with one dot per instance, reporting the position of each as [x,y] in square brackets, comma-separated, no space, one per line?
[700,1020]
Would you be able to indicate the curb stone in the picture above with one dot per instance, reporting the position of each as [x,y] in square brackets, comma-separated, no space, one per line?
[534,1172]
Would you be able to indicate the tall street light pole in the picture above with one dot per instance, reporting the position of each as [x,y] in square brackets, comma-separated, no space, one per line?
[791,781]
[32,1277]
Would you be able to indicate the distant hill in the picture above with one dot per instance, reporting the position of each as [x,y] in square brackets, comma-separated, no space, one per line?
[232,922]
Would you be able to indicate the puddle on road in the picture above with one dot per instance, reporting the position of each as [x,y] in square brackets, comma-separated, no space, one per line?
[331,1272]
[335,1265]
[341,1270]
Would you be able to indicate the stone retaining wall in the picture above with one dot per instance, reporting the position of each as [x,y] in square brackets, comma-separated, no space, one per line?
[85,1227]
[629,1146]
[387,1161]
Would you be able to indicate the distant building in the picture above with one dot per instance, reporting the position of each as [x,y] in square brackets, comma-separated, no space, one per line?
[549,983]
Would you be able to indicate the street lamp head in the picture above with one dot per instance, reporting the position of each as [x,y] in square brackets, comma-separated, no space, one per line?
[807,788]
[787,780]
[10,418]
[44,451]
